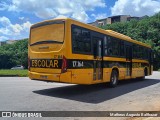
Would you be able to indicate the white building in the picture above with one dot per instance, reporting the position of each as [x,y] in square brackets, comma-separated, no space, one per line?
[7,42]
[11,41]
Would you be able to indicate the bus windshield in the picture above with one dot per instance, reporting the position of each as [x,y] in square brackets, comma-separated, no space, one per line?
[48,32]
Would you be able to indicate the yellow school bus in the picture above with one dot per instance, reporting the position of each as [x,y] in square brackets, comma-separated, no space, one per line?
[65,50]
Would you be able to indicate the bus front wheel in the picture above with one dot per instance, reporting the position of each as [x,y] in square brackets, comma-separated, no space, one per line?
[114,78]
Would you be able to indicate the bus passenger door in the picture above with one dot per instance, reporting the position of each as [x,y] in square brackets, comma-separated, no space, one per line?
[97,52]
[128,60]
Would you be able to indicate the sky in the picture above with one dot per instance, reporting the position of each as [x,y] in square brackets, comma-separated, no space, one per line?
[16,16]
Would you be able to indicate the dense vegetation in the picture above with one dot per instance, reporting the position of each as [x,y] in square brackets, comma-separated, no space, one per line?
[146,30]
[14,54]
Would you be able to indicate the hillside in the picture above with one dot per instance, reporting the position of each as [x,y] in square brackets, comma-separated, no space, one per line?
[14,54]
[146,30]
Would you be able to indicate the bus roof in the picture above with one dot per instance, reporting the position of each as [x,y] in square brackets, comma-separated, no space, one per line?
[107,32]
[61,18]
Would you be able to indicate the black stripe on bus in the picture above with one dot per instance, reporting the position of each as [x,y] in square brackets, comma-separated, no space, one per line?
[81,64]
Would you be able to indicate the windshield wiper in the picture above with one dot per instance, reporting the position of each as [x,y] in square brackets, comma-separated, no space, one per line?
[46,42]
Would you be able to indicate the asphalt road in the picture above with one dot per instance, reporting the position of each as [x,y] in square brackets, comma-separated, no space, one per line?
[23,94]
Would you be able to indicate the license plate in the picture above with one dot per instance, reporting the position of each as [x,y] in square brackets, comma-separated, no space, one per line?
[44,76]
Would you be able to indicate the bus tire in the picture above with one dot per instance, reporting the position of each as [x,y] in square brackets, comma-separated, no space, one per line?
[113,79]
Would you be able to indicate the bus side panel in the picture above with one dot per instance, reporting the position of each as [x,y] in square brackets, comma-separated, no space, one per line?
[66,77]
[122,73]
[106,74]
[80,76]
[134,72]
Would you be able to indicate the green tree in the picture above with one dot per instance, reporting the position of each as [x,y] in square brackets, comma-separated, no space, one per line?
[14,54]
[146,30]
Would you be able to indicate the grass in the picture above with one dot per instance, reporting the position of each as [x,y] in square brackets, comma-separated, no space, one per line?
[20,73]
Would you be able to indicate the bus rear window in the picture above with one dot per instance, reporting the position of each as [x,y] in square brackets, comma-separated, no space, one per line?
[47,32]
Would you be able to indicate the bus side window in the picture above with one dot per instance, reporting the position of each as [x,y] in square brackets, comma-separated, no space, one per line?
[122,52]
[146,53]
[113,46]
[105,46]
[109,45]
[76,37]
[94,47]
[86,38]
[81,40]
[116,47]
[152,56]
[134,51]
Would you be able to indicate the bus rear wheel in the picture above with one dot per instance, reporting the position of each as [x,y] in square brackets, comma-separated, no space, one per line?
[114,78]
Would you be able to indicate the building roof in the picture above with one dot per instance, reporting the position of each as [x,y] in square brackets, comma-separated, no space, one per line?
[118,16]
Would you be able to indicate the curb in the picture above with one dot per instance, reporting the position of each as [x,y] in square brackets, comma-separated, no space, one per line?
[9,75]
